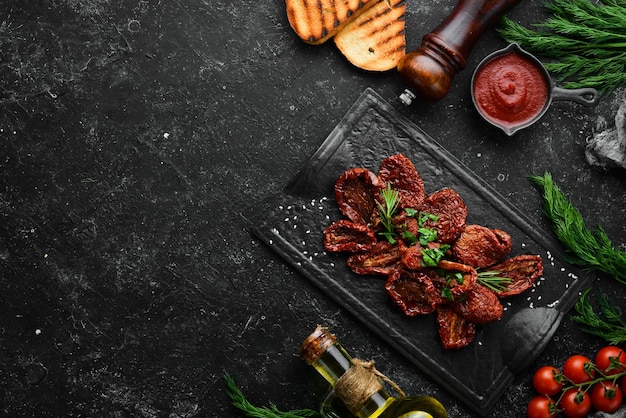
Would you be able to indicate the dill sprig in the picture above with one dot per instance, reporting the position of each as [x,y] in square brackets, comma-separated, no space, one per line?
[241,403]
[387,210]
[584,42]
[606,324]
[583,248]
[493,281]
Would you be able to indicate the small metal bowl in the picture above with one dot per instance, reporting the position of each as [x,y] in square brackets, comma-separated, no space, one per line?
[584,96]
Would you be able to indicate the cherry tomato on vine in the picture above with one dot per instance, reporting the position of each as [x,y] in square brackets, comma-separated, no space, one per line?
[540,407]
[606,397]
[546,380]
[578,369]
[611,360]
[575,403]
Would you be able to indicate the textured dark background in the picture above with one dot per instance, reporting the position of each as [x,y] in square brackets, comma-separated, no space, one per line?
[137,139]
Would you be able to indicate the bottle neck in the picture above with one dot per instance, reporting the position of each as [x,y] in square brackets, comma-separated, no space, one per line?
[333,364]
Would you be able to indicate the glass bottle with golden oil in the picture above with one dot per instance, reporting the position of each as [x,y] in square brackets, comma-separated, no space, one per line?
[358,385]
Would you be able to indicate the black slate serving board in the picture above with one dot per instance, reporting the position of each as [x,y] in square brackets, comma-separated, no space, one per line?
[292,224]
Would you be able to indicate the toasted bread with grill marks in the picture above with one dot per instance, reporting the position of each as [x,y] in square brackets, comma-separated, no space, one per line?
[375,40]
[316,21]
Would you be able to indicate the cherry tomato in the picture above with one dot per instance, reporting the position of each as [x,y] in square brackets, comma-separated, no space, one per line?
[546,380]
[541,407]
[578,369]
[611,360]
[606,397]
[575,404]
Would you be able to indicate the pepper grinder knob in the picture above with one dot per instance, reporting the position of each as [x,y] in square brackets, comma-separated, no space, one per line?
[429,70]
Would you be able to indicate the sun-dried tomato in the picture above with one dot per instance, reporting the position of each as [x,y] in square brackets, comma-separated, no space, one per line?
[404,223]
[524,270]
[480,246]
[411,256]
[384,259]
[479,305]
[451,214]
[356,191]
[348,236]
[413,292]
[401,174]
[445,276]
[454,331]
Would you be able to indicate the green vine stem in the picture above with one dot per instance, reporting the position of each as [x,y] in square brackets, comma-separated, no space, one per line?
[584,387]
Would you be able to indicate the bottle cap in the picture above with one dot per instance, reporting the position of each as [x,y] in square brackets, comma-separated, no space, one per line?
[316,343]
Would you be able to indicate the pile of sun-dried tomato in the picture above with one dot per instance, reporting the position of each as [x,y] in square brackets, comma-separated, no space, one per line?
[432,259]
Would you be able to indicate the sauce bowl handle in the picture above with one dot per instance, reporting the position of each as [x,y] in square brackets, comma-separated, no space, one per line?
[585,96]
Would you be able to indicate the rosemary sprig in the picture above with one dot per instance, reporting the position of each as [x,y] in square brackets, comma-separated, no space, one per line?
[241,403]
[606,324]
[387,210]
[584,42]
[492,280]
[584,248]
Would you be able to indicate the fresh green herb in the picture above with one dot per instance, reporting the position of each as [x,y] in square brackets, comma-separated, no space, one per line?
[446,292]
[492,280]
[606,323]
[241,403]
[387,210]
[427,235]
[584,248]
[424,217]
[585,42]
[410,211]
[390,236]
[432,256]
[409,237]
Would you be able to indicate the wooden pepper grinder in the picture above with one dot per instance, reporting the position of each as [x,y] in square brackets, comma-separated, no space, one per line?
[429,70]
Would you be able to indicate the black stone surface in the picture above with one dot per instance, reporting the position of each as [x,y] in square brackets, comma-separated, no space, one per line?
[136,140]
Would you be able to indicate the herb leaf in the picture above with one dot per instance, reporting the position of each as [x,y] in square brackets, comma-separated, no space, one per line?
[584,248]
[432,256]
[427,235]
[606,324]
[584,41]
[241,403]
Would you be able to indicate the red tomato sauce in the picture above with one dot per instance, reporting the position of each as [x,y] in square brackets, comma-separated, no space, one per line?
[510,90]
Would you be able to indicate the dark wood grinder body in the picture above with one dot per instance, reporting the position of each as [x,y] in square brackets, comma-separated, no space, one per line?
[428,71]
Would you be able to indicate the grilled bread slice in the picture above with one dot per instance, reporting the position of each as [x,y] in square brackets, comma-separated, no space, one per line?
[316,21]
[375,40]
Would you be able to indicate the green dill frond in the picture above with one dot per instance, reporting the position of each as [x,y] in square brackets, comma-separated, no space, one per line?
[240,402]
[582,43]
[583,248]
[606,323]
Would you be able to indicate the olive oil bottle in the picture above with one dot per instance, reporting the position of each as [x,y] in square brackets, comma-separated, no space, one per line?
[358,385]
